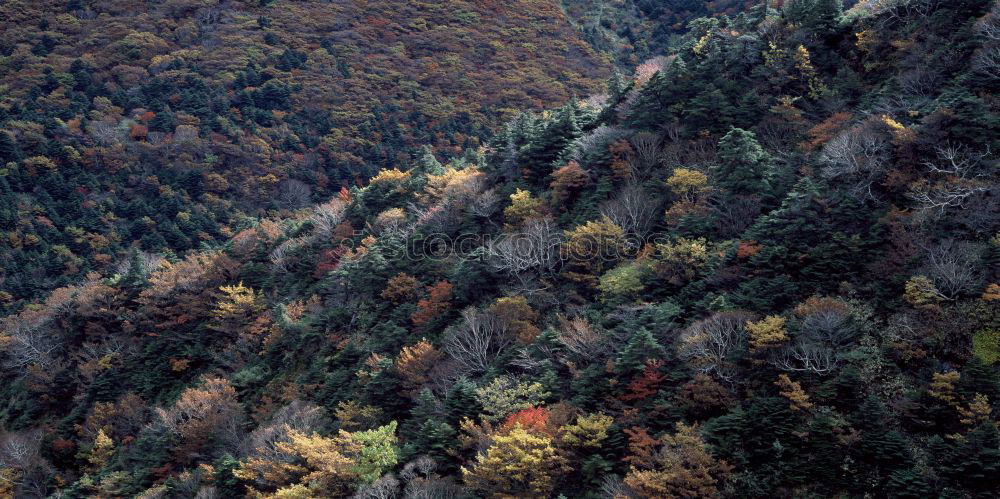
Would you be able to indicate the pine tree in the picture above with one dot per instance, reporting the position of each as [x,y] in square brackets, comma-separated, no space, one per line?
[641,347]
[909,483]
[426,163]
[7,149]
[617,86]
[461,402]
[880,445]
[744,166]
[826,16]
[135,277]
[546,148]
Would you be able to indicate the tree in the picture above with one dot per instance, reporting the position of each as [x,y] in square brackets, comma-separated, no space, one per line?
[859,155]
[680,261]
[402,287]
[7,148]
[236,309]
[797,398]
[310,465]
[590,248]
[101,451]
[767,333]
[506,395]
[432,307]
[589,432]
[713,344]
[744,167]
[518,464]
[519,316]
[426,163]
[529,252]
[677,465]
[921,293]
[641,348]
[633,209]
[545,149]
[691,186]
[623,282]
[703,397]
[478,341]
[203,415]
[567,181]
[415,364]
[378,452]
[522,207]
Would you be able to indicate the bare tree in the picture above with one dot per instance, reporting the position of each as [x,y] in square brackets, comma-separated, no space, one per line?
[805,356]
[486,201]
[632,209]
[776,135]
[207,492]
[596,140]
[954,267]
[210,412]
[434,488]
[581,339]
[21,451]
[859,154]
[989,25]
[326,217]
[478,341]
[647,152]
[830,327]
[386,487]
[280,255]
[531,251]
[147,262]
[106,133]
[294,194]
[31,340]
[422,466]
[297,415]
[423,482]
[962,174]
[613,487]
[899,11]
[710,343]
[697,154]
[920,82]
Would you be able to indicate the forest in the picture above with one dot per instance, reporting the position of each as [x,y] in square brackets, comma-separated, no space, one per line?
[499,249]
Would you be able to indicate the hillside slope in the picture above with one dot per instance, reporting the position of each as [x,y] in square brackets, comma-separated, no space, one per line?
[169,123]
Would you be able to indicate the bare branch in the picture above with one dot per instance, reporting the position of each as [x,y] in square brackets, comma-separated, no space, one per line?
[531,251]
[477,343]
[859,154]
[632,209]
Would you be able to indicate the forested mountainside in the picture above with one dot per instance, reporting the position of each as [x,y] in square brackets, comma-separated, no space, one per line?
[631,31]
[763,264]
[171,123]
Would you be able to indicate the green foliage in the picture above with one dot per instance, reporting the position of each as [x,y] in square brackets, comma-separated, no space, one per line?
[986,346]
[744,166]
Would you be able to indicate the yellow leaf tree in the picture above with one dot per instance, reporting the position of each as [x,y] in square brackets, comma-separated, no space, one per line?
[518,464]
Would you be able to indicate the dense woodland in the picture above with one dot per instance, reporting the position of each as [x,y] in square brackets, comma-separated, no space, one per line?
[296,249]
[173,124]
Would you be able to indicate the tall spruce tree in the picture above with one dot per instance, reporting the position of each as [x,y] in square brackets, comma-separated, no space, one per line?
[744,166]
